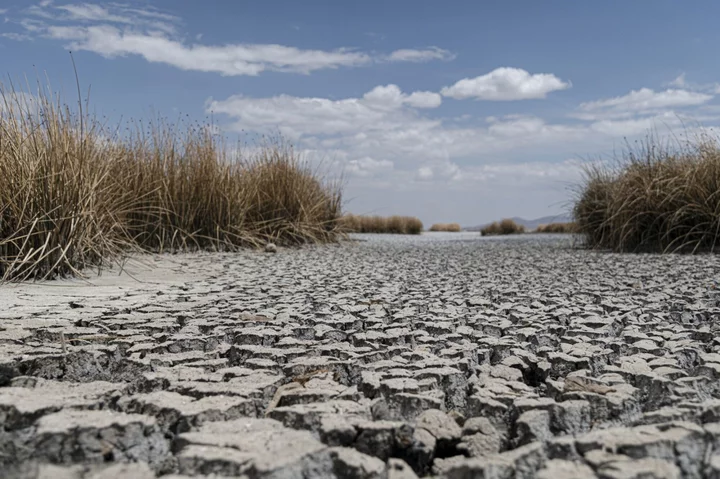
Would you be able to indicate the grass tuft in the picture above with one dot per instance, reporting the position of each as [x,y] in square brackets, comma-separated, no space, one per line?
[656,198]
[447,227]
[378,224]
[561,228]
[75,195]
[504,227]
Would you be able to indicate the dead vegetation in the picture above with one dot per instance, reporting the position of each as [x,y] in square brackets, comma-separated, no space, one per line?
[378,224]
[558,228]
[76,194]
[446,227]
[504,227]
[661,198]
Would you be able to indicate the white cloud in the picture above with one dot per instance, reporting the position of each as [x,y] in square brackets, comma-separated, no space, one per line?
[641,101]
[424,99]
[505,84]
[112,13]
[410,55]
[425,173]
[525,172]
[393,150]
[390,96]
[384,108]
[387,125]
[230,60]
[18,37]
[116,30]
[384,136]
[368,167]
[679,81]
[442,170]
[32,26]
[637,125]
[86,11]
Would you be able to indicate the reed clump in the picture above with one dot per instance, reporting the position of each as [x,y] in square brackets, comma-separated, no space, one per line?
[558,228]
[446,227]
[655,198]
[75,194]
[504,227]
[379,224]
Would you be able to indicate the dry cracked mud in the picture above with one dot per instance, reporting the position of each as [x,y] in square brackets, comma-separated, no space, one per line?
[390,357]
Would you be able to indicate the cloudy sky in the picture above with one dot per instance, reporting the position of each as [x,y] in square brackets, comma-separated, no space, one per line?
[450,111]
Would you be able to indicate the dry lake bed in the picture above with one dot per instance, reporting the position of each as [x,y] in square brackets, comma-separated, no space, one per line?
[443,355]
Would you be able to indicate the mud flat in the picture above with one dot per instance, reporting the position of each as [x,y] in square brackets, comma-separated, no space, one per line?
[442,355]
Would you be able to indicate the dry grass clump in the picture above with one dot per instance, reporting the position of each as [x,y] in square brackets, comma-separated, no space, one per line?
[61,209]
[447,227]
[562,228]
[287,201]
[74,195]
[378,224]
[504,227]
[189,195]
[656,198]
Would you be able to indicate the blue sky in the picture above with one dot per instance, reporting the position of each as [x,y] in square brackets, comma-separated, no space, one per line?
[449,111]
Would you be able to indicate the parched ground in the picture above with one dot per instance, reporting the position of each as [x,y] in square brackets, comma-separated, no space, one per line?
[443,355]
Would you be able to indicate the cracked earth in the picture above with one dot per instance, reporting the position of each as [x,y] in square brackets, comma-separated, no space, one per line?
[444,355]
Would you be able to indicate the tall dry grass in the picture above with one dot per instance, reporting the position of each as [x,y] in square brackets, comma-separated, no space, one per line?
[504,227]
[378,224]
[74,194]
[662,198]
[61,209]
[558,228]
[446,227]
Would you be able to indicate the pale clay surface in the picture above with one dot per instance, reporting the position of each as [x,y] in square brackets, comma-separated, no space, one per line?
[444,355]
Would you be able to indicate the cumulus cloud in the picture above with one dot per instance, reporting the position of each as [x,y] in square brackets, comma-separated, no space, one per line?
[116,30]
[505,84]
[424,99]
[383,108]
[386,136]
[386,131]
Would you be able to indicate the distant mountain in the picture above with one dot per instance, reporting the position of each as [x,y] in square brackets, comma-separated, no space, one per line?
[530,225]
